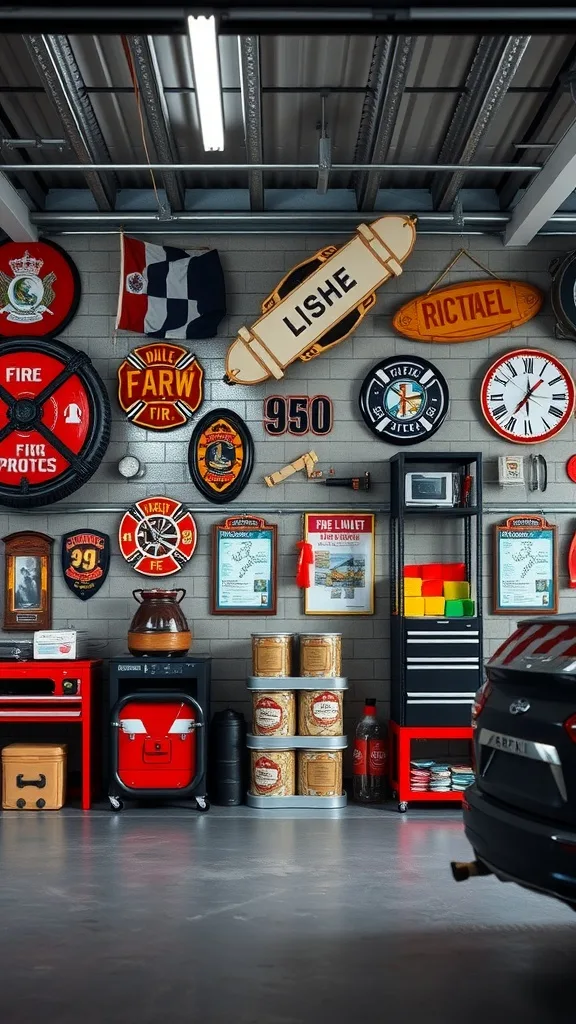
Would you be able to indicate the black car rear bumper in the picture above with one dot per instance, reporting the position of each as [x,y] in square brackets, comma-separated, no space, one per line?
[520,849]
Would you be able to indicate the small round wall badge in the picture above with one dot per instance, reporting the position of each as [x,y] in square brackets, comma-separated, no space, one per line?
[404,399]
[221,455]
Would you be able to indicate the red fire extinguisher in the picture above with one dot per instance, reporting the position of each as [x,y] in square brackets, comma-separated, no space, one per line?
[370,757]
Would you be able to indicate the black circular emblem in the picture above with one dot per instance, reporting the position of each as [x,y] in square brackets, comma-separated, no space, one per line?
[563,295]
[404,399]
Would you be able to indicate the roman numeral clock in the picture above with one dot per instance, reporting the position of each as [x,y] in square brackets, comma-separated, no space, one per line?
[527,396]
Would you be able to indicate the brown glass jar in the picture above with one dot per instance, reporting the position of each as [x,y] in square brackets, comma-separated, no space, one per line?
[159,627]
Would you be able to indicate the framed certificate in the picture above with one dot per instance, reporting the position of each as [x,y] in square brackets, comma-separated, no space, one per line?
[343,580]
[244,567]
[525,566]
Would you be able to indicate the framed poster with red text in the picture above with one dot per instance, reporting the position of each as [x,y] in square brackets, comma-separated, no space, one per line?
[343,579]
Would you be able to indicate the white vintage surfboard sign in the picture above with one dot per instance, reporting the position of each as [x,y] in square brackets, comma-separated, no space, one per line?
[321,301]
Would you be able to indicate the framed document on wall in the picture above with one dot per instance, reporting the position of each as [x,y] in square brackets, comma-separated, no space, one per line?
[27,581]
[343,581]
[525,566]
[244,567]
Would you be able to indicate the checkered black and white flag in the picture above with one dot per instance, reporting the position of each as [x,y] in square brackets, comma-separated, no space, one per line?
[170,293]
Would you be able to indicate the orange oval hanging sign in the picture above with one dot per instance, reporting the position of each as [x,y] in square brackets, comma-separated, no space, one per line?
[468,311]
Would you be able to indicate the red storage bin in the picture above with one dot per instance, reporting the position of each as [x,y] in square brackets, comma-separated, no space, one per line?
[412,570]
[454,572]
[432,588]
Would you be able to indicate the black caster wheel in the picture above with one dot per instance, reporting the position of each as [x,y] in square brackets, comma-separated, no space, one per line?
[20,803]
[116,804]
[402,807]
[202,803]
[40,804]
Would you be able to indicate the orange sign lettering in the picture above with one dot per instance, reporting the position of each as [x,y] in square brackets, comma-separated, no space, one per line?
[468,311]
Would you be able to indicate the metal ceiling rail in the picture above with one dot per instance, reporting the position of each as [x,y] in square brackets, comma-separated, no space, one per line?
[285,217]
[250,80]
[58,168]
[290,508]
[31,184]
[56,65]
[155,113]
[391,59]
[288,90]
[493,68]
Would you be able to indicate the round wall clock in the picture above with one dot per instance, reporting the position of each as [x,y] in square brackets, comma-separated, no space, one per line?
[54,421]
[39,289]
[157,536]
[221,455]
[404,399]
[527,396]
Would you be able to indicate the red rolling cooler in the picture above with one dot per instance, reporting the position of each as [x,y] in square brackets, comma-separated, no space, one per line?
[158,748]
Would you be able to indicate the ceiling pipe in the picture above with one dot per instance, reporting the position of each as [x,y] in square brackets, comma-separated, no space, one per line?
[55,63]
[288,217]
[248,168]
[492,70]
[155,113]
[391,60]
[251,87]
[31,184]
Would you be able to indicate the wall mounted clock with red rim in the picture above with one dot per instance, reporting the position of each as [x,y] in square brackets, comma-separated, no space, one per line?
[157,536]
[54,421]
[39,289]
[527,396]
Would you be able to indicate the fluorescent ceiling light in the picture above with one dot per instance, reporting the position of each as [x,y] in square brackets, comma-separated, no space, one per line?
[204,45]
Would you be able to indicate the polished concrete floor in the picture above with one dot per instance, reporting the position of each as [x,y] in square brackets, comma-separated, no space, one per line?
[238,917]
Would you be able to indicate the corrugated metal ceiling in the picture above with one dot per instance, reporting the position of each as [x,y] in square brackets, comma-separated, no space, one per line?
[337,65]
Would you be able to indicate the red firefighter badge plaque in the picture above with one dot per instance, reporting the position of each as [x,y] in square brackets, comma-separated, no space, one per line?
[221,455]
[157,536]
[85,561]
[160,386]
[54,421]
[39,289]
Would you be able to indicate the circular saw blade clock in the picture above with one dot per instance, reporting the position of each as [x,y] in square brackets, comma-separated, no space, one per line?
[157,536]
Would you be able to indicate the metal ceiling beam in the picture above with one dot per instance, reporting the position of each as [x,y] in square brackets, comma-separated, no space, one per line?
[63,83]
[251,87]
[493,68]
[248,168]
[545,195]
[14,214]
[155,113]
[29,182]
[537,126]
[386,82]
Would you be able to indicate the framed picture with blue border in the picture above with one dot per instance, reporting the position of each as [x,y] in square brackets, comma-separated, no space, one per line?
[244,567]
[525,566]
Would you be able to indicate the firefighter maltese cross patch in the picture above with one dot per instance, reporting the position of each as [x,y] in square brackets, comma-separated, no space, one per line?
[160,386]
[39,289]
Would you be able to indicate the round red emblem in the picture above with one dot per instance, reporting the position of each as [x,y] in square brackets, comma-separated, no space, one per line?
[39,289]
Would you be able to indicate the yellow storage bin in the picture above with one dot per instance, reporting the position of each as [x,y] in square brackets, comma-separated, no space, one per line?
[412,586]
[413,606]
[456,590]
[434,606]
[33,776]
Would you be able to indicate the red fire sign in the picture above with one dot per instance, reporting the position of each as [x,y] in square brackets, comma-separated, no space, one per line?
[160,386]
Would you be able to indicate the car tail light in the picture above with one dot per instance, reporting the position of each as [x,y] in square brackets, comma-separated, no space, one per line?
[570,726]
[480,702]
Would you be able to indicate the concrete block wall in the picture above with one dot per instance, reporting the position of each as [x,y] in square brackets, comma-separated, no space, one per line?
[253,266]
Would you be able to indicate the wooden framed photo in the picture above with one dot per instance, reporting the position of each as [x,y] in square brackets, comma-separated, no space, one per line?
[244,567]
[525,566]
[28,578]
[343,544]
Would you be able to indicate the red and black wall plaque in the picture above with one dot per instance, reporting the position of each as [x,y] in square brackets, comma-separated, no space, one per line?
[157,536]
[85,561]
[221,455]
[39,289]
[160,386]
[54,421]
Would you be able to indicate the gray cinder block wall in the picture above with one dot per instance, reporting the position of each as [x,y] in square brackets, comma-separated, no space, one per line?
[253,266]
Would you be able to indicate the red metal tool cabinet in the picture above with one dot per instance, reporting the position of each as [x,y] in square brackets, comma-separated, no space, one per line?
[55,691]
[401,737]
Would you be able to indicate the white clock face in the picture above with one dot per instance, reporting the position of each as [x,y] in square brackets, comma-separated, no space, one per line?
[527,396]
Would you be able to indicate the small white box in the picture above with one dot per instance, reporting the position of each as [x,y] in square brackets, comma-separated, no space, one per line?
[59,645]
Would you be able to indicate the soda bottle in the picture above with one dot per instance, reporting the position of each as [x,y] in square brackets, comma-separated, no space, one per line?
[370,758]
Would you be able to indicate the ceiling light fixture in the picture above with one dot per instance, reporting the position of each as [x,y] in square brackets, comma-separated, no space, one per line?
[204,46]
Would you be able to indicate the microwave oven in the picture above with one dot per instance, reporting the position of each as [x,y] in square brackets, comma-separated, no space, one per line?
[441,489]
